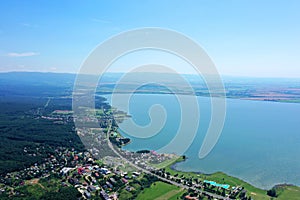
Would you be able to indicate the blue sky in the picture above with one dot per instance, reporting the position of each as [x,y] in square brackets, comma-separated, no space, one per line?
[243,37]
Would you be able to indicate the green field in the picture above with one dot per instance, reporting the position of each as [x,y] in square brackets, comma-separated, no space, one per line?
[160,190]
[284,192]
[288,192]
[165,163]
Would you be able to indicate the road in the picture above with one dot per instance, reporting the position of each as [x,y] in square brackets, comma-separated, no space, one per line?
[159,177]
[47,103]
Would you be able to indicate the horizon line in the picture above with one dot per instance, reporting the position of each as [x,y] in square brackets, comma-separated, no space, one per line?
[113,72]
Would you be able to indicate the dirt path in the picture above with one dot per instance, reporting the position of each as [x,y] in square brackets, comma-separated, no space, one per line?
[35,182]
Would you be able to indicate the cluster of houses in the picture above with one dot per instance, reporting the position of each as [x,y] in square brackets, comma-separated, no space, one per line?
[80,170]
[205,188]
[62,158]
[90,180]
[88,177]
[146,160]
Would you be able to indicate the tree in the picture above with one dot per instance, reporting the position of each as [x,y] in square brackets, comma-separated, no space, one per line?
[272,192]
[223,193]
[67,193]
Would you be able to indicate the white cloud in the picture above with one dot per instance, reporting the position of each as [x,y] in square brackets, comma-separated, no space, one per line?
[101,20]
[24,54]
[26,24]
[29,25]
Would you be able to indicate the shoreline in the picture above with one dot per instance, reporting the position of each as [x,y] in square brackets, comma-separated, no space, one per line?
[172,167]
[283,190]
[278,186]
[225,176]
[221,177]
[246,98]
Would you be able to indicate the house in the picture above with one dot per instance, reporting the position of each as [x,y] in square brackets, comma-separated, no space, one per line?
[80,170]
[190,198]
[104,195]
[112,180]
[109,184]
[104,171]
[136,173]
[127,177]
[97,175]
[73,181]
[65,170]
[90,160]
[114,196]
[243,193]
[124,180]
[91,188]
[87,194]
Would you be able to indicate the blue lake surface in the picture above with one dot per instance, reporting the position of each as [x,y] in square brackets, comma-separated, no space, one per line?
[260,141]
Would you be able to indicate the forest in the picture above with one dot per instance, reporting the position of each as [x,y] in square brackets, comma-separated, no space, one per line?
[22,129]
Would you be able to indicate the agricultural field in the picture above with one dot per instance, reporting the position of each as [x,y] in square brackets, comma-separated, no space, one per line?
[160,190]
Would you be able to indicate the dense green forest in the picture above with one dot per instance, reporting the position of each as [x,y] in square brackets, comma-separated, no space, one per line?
[26,135]
[22,129]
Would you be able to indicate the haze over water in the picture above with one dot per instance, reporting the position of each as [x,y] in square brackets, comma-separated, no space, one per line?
[260,142]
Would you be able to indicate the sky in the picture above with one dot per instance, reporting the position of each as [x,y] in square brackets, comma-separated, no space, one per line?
[242,37]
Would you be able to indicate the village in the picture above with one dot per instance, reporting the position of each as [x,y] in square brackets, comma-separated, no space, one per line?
[107,171]
[108,178]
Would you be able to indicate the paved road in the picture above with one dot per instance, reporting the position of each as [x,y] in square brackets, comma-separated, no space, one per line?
[159,177]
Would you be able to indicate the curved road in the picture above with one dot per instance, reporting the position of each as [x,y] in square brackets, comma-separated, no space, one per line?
[159,177]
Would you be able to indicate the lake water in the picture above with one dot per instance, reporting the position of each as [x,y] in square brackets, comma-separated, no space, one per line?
[260,142]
